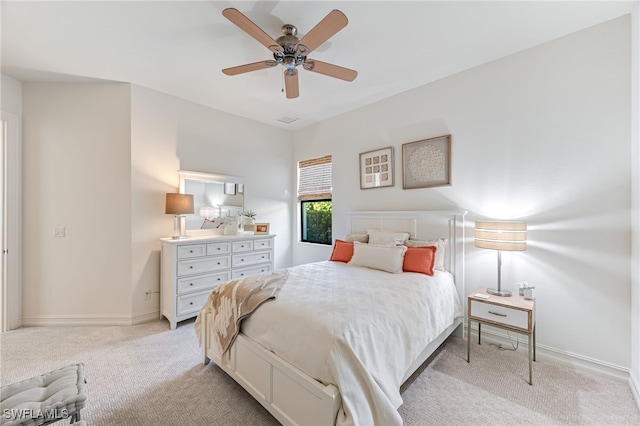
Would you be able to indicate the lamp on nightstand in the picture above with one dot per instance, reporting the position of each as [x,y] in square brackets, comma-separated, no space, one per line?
[178,205]
[501,236]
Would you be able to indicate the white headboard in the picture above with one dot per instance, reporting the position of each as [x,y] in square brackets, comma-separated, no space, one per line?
[422,225]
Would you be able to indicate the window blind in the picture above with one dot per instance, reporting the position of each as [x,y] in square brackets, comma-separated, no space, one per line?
[314,179]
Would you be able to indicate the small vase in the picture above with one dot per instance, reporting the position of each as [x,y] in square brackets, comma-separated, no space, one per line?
[249,224]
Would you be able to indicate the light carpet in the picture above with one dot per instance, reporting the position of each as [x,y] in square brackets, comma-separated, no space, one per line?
[150,375]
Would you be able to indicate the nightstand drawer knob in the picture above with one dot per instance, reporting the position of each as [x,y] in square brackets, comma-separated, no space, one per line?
[498,314]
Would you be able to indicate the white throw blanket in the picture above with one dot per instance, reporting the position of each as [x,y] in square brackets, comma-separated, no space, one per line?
[357,328]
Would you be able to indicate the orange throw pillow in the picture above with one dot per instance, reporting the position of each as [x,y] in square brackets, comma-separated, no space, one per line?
[419,259]
[342,251]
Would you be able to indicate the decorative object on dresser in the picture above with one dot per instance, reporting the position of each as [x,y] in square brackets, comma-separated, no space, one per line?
[191,269]
[501,235]
[179,205]
[261,228]
[248,223]
[376,168]
[514,314]
[426,163]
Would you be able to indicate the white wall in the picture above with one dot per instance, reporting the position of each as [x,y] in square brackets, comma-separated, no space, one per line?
[98,159]
[169,134]
[542,135]
[11,95]
[635,201]
[77,174]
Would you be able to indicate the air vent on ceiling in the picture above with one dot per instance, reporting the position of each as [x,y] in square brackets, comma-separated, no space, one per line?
[287,120]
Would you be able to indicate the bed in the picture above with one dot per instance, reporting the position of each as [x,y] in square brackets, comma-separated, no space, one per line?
[348,323]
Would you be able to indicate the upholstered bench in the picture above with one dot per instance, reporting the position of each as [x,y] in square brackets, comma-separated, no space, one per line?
[40,400]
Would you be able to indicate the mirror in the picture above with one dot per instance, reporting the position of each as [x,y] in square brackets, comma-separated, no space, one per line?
[215,197]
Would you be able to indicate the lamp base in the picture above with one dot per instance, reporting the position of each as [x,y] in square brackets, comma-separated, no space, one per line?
[499,292]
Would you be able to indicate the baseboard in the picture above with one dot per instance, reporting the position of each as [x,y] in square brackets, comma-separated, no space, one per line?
[139,319]
[80,320]
[635,389]
[498,336]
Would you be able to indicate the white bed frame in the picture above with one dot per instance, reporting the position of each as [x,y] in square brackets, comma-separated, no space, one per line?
[290,395]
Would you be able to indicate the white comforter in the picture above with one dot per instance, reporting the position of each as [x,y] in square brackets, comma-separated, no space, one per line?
[357,328]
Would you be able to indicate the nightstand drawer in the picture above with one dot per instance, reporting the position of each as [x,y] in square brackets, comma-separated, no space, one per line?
[500,315]
[201,282]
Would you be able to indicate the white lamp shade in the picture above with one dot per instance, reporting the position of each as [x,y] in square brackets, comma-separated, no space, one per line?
[501,235]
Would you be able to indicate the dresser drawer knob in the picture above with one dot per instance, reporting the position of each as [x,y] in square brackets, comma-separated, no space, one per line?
[263,257]
[191,267]
[242,275]
[191,284]
[190,251]
[218,263]
[191,303]
[497,314]
[219,249]
[241,260]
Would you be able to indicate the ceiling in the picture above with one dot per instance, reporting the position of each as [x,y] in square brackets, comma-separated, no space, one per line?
[180,47]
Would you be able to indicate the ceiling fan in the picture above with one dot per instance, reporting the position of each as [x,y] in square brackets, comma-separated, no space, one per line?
[291,52]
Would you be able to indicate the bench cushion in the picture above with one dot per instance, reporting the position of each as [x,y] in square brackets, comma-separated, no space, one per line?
[34,401]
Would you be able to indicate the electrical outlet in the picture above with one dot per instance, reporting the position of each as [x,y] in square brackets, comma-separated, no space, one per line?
[59,231]
[147,295]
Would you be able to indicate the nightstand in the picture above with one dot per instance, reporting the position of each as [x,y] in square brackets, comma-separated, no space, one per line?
[513,313]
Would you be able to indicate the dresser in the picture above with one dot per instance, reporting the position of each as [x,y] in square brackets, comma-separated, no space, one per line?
[192,267]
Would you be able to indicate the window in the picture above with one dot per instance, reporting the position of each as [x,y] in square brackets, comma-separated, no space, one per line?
[314,194]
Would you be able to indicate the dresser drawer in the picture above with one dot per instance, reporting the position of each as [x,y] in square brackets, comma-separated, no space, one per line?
[191,303]
[262,244]
[203,265]
[500,314]
[218,248]
[191,250]
[202,282]
[239,273]
[239,246]
[247,259]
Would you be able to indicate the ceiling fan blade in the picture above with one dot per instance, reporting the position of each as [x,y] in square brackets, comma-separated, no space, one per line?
[330,70]
[291,83]
[241,69]
[331,24]
[246,25]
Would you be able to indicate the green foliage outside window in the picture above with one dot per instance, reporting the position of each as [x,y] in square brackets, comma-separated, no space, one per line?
[316,222]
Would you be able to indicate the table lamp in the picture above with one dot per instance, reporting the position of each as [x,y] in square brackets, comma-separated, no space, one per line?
[178,205]
[501,236]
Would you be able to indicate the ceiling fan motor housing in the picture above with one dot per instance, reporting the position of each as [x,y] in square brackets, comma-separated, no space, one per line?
[290,57]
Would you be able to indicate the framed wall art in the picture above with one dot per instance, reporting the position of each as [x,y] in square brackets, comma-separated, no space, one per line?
[426,163]
[230,188]
[376,168]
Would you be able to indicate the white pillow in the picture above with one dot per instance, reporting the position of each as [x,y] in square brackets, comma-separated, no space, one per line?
[363,238]
[386,238]
[384,258]
[439,244]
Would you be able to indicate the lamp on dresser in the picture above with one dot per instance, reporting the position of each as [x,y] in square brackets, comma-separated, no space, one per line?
[501,236]
[178,205]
